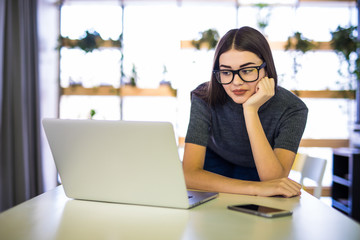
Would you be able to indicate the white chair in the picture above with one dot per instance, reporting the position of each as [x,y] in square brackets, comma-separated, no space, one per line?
[314,169]
[299,162]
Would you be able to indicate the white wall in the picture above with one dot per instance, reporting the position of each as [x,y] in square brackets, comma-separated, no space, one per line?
[48,31]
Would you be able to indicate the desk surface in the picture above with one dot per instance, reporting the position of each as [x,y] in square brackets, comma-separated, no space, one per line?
[53,216]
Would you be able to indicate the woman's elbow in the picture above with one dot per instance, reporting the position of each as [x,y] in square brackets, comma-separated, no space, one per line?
[273,176]
[190,176]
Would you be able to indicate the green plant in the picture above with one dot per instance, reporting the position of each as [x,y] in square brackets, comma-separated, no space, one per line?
[345,43]
[263,16]
[90,41]
[134,77]
[92,113]
[299,43]
[210,36]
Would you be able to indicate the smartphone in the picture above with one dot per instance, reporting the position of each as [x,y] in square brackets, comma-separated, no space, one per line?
[259,210]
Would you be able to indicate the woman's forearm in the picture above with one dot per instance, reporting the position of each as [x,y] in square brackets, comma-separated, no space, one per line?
[208,181]
[267,164]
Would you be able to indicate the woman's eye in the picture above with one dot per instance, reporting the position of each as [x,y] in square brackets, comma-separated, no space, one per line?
[247,71]
[225,73]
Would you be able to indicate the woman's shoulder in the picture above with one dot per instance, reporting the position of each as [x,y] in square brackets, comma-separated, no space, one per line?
[287,97]
[201,91]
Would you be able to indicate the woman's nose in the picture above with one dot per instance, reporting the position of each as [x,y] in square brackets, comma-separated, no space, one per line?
[237,80]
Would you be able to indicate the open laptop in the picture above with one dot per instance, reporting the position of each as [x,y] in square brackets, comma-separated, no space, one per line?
[120,161]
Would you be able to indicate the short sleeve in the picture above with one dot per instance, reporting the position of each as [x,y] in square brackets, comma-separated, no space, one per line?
[198,131]
[291,128]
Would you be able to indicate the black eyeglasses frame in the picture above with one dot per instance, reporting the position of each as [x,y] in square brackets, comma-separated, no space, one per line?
[258,68]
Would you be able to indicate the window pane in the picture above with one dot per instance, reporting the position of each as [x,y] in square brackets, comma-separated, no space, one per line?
[150,109]
[100,67]
[199,17]
[316,22]
[329,118]
[314,70]
[150,42]
[152,36]
[104,18]
[79,107]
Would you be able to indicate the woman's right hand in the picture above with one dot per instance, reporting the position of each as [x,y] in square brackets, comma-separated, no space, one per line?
[265,89]
[279,187]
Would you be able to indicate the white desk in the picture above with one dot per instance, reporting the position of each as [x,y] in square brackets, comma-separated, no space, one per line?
[53,216]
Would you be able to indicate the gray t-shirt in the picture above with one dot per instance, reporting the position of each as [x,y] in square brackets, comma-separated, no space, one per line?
[222,128]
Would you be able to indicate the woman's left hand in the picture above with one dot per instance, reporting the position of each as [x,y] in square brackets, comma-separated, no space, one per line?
[265,89]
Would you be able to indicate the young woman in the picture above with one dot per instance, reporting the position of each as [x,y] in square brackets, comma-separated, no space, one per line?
[244,130]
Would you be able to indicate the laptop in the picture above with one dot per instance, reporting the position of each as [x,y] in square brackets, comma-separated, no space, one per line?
[129,162]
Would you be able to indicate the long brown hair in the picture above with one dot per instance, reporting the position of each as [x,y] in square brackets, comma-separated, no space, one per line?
[242,39]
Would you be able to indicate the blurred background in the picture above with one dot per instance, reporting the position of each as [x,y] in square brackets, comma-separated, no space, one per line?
[139,60]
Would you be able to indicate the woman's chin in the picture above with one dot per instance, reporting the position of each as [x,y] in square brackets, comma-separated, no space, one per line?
[239,99]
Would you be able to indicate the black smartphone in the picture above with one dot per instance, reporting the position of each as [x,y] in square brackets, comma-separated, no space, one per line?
[259,210]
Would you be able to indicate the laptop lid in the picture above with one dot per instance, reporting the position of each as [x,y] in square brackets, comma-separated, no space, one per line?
[119,161]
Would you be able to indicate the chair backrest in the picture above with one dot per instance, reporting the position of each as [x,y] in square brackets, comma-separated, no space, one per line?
[314,169]
[299,162]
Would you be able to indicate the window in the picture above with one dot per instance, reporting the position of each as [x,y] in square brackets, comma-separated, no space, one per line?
[101,67]
[152,45]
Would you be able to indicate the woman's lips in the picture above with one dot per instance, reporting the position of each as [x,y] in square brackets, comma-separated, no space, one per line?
[239,92]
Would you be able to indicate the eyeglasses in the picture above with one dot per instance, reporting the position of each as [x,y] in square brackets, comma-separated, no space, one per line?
[247,74]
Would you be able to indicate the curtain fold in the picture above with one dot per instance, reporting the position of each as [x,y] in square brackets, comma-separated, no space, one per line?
[20,154]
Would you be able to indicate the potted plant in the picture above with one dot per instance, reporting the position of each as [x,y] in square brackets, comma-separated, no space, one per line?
[134,77]
[345,44]
[300,45]
[263,16]
[209,37]
[90,41]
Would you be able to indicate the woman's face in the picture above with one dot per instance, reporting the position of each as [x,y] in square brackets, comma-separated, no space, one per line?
[238,90]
